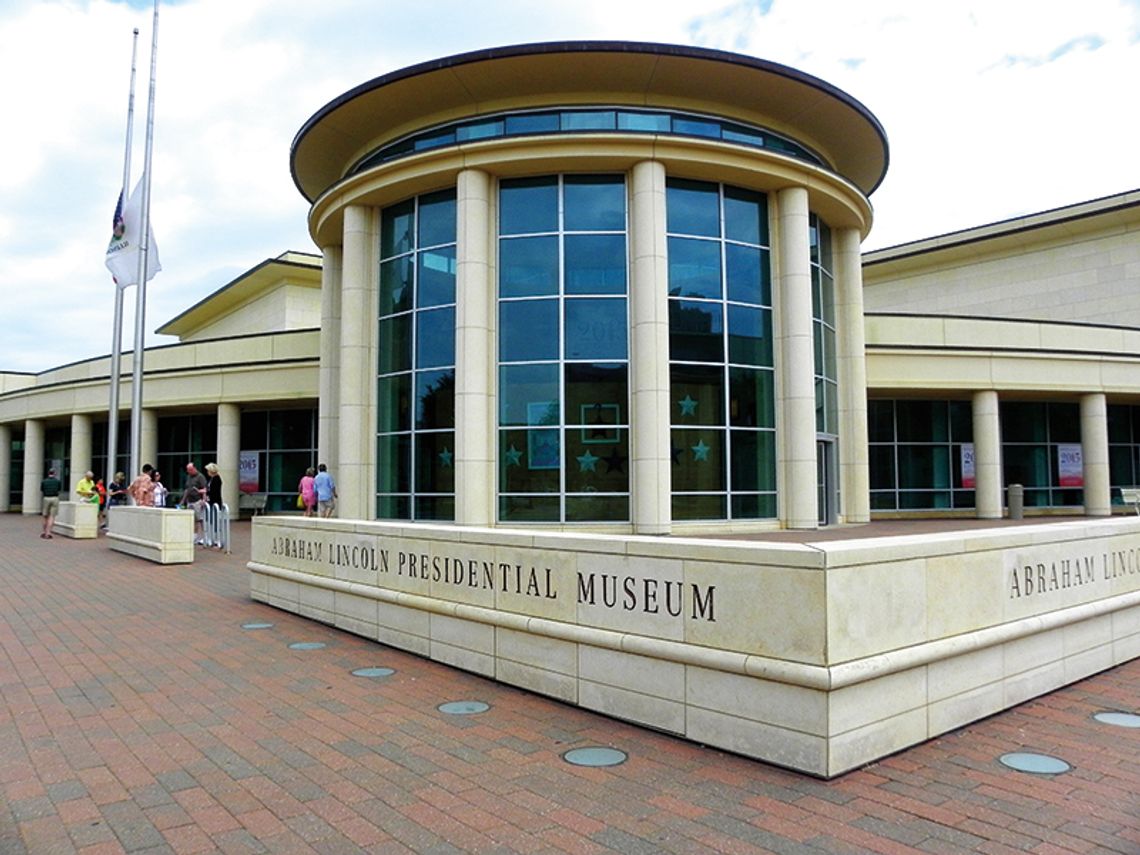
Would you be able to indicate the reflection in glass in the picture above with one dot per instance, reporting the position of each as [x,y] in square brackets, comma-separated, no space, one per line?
[694,268]
[528,330]
[595,328]
[594,203]
[692,208]
[595,264]
[696,331]
[528,267]
[528,205]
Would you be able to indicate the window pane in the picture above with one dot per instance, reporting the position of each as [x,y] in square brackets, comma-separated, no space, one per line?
[291,429]
[394,463]
[435,338]
[529,461]
[694,268]
[393,403]
[396,285]
[440,508]
[923,421]
[435,399]
[528,395]
[532,123]
[437,219]
[594,203]
[479,130]
[528,330]
[597,508]
[696,331]
[697,394]
[589,120]
[396,229]
[747,280]
[395,342]
[749,336]
[753,460]
[699,507]
[595,264]
[1064,423]
[745,216]
[751,398]
[435,462]
[597,396]
[529,508]
[596,328]
[1022,422]
[652,122]
[698,460]
[881,421]
[528,267]
[696,127]
[437,277]
[692,208]
[601,467]
[882,467]
[393,508]
[528,205]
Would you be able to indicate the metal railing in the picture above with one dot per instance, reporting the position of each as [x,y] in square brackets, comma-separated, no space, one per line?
[216,526]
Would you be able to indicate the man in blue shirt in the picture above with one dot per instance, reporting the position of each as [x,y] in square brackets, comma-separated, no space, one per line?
[326,491]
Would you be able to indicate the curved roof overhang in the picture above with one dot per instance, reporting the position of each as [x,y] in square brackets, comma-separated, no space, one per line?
[730,85]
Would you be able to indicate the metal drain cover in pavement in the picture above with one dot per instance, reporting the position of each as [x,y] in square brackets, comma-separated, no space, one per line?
[373,672]
[257,626]
[306,645]
[463,707]
[1120,719]
[1038,764]
[595,756]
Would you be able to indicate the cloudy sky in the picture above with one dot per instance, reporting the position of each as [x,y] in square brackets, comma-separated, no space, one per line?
[993,108]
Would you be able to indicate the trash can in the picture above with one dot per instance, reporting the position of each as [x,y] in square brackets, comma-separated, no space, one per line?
[1016,501]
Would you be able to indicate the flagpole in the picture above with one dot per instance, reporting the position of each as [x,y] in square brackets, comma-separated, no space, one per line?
[144,246]
[117,340]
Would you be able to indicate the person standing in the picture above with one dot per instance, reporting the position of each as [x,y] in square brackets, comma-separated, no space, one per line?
[116,494]
[85,489]
[326,491]
[160,491]
[212,505]
[308,491]
[49,489]
[193,498]
[141,489]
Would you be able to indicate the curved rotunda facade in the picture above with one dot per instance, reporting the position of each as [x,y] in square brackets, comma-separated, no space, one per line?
[607,285]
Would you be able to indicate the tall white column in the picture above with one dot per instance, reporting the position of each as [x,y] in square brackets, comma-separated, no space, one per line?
[474,348]
[854,454]
[796,365]
[229,456]
[34,465]
[328,429]
[987,455]
[650,468]
[148,448]
[5,469]
[80,449]
[357,372]
[1094,453]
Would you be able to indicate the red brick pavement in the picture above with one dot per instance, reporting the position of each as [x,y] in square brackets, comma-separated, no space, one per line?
[136,715]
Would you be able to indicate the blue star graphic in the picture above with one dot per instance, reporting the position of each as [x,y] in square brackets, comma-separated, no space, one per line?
[445,457]
[688,406]
[587,462]
[701,451]
[513,456]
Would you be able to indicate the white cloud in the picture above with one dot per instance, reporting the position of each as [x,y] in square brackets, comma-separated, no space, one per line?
[992,109]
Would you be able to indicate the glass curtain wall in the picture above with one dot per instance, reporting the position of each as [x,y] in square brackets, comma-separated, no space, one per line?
[57,453]
[286,445]
[415,443]
[722,413]
[1037,436]
[99,450]
[916,454]
[1123,448]
[183,439]
[563,418]
[16,493]
[823,328]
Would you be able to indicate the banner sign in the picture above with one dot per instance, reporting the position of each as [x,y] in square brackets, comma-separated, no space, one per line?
[968,464]
[249,466]
[1070,466]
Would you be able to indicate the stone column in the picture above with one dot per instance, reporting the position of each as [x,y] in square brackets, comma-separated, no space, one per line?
[5,469]
[987,455]
[80,449]
[854,455]
[475,423]
[650,469]
[148,449]
[1094,453]
[34,465]
[357,372]
[229,457]
[796,365]
[327,421]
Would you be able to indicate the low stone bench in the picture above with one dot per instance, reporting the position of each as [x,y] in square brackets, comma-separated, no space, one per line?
[162,535]
[77,519]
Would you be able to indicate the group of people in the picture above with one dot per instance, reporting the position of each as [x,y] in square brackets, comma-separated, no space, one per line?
[316,493]
[146,490]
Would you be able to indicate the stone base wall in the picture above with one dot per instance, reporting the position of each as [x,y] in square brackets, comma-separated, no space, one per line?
[816,656]
[164,536]
[77,519]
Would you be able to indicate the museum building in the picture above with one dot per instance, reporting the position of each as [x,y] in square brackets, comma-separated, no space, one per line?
[575,297]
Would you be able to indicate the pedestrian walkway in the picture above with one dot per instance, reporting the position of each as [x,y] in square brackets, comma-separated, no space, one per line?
[143,711]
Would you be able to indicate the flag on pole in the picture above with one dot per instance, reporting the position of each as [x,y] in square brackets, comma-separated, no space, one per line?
[126,233]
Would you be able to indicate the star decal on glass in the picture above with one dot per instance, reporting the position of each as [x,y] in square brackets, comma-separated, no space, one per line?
[701,451]
[587,462]
[513,456]
[676,453]
[614,462]
[445,457]
[688,406]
